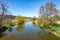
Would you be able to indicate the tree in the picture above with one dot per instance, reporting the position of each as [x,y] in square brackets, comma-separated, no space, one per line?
[3,8]
[47,14]
[19,19]
[34,19]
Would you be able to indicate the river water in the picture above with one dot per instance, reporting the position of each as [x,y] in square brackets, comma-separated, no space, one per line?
[28,31]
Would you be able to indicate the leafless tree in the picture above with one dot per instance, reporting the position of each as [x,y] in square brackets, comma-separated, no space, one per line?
[3,8]
[48,13]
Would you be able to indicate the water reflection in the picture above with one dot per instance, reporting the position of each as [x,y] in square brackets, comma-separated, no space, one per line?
[10,29]
[20,27]
[30,32]
[46,35]
[34,24]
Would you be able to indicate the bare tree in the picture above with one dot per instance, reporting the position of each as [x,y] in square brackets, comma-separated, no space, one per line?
[48,13]
[3,8]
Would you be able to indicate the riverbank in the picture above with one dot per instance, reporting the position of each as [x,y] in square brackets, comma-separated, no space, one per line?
[30,31]
[10,36]
[54,30]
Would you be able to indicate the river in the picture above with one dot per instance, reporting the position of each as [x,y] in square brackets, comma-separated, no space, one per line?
[28,31]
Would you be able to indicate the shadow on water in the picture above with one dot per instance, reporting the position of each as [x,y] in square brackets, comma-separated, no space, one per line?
[2,34]
[2,30]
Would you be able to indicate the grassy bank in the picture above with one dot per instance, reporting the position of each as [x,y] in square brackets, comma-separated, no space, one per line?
[56,30]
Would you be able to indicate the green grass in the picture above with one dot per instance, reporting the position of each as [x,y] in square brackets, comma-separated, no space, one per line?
[57,25]
[56,30]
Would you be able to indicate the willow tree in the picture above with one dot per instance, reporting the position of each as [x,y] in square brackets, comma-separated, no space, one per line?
[19,19]
[48,13]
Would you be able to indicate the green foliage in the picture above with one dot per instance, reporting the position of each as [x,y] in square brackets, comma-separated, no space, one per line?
[19,19]
[57,25]
[34,18]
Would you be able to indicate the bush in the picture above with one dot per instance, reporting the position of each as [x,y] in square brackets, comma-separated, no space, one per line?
[19,19]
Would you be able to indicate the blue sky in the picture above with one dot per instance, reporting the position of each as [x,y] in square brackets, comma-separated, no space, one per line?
[28,8]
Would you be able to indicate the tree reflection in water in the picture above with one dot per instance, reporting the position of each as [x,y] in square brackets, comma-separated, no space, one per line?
[34,24]
[10,28]
[42,35]
[20,27]
[46,35]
